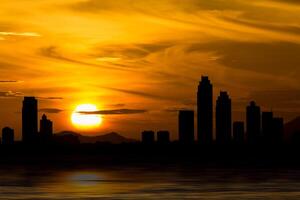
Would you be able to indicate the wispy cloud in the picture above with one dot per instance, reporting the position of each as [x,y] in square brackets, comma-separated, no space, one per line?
[25,34]
[11,94]
[116,105]
[51,98]
[10,81]
[136,92]
[51,110]
[52,52]
[175,109]
[114,112]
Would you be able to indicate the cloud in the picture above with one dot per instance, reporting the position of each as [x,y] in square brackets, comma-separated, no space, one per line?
[117,105]
[130,52]
[51,110]
[214,17]
[51,98]
[9,81]
[11,94]
[114,112]
[52,52]
[24,34]
[271,58]
[163,5]
[288,1]
[175,109]
[53,89]
[291,30]
[138,93]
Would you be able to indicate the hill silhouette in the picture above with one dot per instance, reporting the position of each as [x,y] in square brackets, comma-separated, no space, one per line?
[113,138]
[291,127]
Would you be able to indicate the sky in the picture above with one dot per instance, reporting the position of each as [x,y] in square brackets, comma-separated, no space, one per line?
[145,58]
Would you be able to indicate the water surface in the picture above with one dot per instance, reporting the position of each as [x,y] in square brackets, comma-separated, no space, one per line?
[151,182]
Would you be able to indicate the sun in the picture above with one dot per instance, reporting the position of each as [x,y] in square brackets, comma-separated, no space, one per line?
[86,121]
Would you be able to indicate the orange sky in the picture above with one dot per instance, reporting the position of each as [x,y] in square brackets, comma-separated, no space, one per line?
[147,56]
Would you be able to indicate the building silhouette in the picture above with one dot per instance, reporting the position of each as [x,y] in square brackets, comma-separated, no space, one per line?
[29,120]
[46,128]
[7,136]
[253,122]
[163,137]
[223,119]
[267,125]
[272,128]
[278,131]
[148,137]
[186,126]
[205,111]
[238,132]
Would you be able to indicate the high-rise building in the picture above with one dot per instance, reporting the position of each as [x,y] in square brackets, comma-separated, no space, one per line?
[29,120]
[238,132]
[148,137]
[205,111]
[267,125]
[223,119]
[7,136]
[253,126]
[163,137]
[46,128]
[186,126]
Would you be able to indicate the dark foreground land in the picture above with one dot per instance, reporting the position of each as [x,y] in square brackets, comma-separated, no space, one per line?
[280,156]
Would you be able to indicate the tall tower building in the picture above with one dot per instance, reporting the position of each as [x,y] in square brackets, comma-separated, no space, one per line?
[205,111]
[186,126]
[29,120]
[223,119]
[253,125]
[267,124]
[46,127]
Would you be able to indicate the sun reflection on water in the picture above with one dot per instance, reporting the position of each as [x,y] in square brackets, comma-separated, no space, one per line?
[85,178]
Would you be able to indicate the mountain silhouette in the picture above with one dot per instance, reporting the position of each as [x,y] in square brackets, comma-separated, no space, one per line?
[291,127]
[112,137]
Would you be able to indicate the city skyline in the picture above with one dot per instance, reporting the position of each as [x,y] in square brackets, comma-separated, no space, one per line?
[149,99]
[205,102]
[262,127]
[94,52]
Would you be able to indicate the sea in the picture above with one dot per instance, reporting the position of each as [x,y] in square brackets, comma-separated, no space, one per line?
[147,182]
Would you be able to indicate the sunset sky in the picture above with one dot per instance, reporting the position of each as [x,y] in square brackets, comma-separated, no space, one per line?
[146,58]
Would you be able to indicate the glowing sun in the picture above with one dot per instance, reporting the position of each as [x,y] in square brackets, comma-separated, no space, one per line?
[86,120]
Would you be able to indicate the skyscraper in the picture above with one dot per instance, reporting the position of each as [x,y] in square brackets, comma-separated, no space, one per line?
[253,122]
[223,119]
[186,126]
[29,120]
[267,124]
[238,132]
[205,111]
[7,136]
[46,128]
